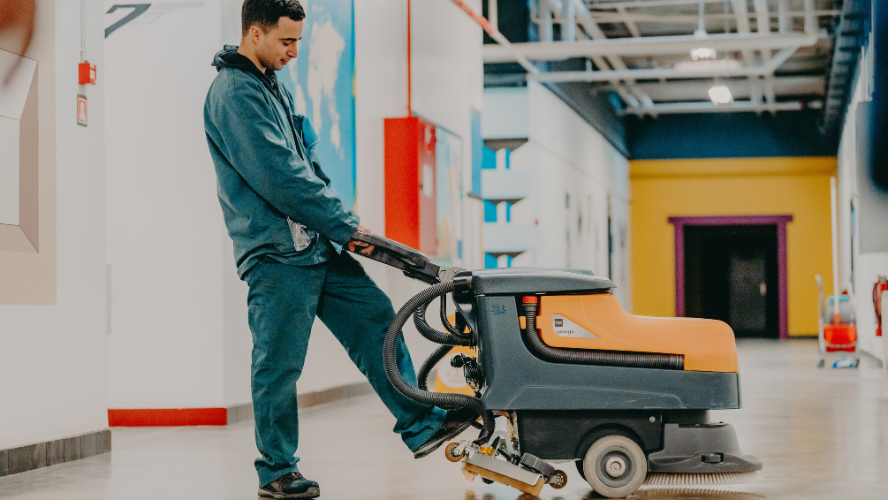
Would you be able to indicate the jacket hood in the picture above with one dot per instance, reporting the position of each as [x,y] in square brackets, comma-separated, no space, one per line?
[228,57]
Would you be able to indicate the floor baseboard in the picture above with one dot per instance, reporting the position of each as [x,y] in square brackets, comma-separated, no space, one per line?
[36,456]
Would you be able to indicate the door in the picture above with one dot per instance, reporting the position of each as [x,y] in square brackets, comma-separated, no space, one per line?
[731,275]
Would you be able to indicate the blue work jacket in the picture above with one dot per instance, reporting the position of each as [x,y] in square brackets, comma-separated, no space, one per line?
[268,171]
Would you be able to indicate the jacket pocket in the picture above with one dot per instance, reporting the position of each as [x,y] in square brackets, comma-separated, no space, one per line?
[300,234]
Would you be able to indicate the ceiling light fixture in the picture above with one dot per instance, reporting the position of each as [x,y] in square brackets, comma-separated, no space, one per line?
[702,52]
[720,94]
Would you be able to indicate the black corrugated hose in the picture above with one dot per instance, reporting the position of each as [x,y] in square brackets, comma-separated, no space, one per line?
[590,357]
[434,335]
[426,368]
[441,400]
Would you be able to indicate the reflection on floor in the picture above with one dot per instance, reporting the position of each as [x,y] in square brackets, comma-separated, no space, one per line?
[821,434]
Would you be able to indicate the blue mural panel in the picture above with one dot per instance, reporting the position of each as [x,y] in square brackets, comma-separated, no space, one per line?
[321,80]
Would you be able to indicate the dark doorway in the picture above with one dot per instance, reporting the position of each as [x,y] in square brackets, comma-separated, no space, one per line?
[731,274]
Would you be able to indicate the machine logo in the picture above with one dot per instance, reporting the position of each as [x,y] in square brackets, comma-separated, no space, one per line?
[566,328]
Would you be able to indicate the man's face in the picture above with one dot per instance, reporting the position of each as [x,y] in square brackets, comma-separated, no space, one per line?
[275,48]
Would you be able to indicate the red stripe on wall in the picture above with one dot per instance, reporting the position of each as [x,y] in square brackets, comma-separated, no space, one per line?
[168,417]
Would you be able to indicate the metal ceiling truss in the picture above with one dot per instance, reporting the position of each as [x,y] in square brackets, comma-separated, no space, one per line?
[619,38]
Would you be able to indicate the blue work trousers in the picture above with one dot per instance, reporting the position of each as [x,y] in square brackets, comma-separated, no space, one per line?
[283,302]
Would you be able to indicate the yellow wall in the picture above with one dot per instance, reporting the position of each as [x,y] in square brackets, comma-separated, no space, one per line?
[741,186]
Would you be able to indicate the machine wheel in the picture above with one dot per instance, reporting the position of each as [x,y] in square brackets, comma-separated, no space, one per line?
[615,466]
[449,452]
[559,483]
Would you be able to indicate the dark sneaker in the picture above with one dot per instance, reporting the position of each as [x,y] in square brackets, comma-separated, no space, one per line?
[455,422]
[291,485]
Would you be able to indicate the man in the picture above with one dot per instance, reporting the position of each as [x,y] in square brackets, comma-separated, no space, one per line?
[289,228]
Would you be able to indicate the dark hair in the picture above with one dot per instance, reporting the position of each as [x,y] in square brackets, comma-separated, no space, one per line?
[266,13]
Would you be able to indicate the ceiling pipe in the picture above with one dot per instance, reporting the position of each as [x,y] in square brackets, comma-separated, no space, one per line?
[618,17]
[645,46]
[409,63]
[515,54]
[707,107]
[811,86]
[763,24]
[782,19]
[645,3]
[664,73]
[810,22]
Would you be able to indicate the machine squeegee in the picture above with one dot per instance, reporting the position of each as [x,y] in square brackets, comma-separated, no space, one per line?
[575,377]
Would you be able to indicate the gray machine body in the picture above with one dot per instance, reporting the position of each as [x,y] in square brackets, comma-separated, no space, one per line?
[701,449]
[515,379]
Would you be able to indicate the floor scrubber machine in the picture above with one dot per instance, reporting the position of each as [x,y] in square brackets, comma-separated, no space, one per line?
[575,378]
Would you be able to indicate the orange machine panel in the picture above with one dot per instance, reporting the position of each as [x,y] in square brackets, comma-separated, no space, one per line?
[600,322]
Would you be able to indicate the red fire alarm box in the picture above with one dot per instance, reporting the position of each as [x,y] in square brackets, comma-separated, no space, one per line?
[87,73]
[411,216]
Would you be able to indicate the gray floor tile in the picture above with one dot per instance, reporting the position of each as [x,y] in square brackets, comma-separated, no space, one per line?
[822,434]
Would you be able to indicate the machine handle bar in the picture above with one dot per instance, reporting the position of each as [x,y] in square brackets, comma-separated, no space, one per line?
[413,263]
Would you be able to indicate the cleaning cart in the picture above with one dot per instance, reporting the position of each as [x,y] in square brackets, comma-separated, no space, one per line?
[837,329]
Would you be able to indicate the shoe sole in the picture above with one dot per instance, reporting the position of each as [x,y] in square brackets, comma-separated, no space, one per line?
[423,452]
[311,493]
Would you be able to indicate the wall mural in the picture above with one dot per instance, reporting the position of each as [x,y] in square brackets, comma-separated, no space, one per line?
[448,173]
[321,80]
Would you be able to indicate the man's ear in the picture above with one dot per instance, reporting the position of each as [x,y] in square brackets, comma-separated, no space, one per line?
[254,33]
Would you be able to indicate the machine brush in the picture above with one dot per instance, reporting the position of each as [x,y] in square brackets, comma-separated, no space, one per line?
[715,479]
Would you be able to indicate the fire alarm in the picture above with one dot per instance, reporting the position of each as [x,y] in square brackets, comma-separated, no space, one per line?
[87,73]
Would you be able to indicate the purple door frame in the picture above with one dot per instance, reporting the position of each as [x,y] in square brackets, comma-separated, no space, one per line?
[734,220]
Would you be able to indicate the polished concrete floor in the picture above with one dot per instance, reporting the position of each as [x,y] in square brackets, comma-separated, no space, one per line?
[822,434]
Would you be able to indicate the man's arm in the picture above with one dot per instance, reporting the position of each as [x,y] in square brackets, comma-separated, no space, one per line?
[259,152]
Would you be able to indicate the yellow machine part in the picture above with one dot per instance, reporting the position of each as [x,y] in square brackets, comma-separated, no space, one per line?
[449,379]
[707,345]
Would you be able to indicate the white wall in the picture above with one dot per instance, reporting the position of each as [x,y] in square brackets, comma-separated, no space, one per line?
[52,359]
[508,115]
[165,232]
[447,86]
[575,171]
[867,266]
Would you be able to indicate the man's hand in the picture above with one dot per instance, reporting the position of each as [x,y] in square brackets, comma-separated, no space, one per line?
[365,248]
